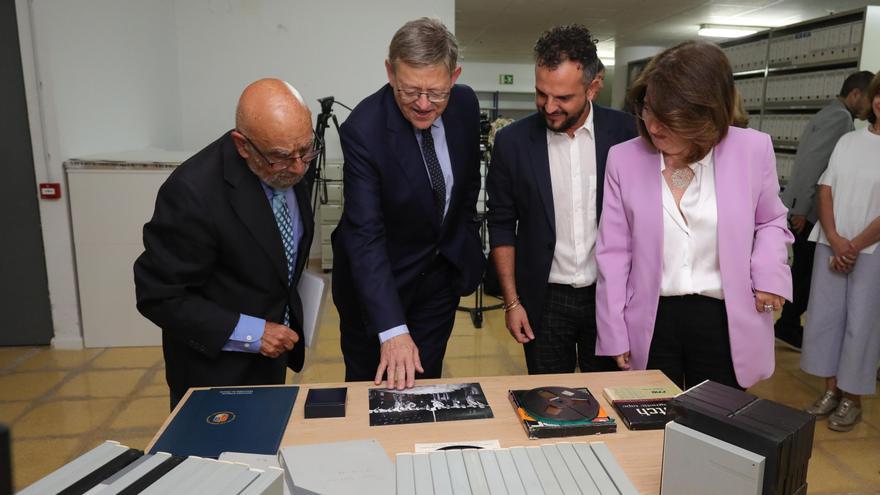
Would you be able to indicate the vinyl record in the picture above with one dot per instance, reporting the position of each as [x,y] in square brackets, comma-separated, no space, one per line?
[560,405]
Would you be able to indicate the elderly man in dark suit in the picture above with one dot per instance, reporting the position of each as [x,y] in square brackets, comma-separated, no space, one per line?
[544,190]
[225,248]
[407,245]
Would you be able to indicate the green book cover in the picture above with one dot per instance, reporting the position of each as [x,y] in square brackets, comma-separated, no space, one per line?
[648,393]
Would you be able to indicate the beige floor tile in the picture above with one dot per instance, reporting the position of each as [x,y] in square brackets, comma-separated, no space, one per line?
[115,383]
[129,357]
[65,417]
[861,456]
[154,391]
[468,367]
[826,475]
[159,378]
[12,355]
[148,412]
[326,350]
[58,360]
[473,346]
[871,412]
[35,458]
[785,388]
[318,372]
[28,385]
[862,430]
[9,411]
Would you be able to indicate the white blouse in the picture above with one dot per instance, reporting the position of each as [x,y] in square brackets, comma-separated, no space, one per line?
[854,177]
[690,236]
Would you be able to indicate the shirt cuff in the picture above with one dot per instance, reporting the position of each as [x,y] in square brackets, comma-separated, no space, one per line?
[392,332]
[246,335]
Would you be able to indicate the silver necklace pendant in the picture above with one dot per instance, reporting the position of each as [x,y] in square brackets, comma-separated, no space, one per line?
[681,177]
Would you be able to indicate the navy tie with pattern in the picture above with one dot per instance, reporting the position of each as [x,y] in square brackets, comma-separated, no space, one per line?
[438,184]
[285,227]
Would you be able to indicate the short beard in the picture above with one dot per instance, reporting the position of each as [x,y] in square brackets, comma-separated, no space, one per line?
[562,127]
[566,124]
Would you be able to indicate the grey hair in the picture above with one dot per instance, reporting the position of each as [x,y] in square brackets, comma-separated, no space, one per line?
[424,42]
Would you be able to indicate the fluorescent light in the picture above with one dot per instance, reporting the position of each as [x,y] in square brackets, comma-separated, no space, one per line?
[719,31]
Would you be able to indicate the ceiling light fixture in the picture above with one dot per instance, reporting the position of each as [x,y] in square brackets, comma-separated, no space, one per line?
[727,31]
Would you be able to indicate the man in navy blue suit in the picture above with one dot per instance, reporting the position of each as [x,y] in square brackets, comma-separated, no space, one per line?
[407,246]
[544,197]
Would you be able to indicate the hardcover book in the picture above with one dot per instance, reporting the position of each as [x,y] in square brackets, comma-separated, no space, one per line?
[536,428]
[234,419]
[641,408]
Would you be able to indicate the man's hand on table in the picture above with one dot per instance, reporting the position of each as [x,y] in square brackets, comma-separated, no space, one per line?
[399,359]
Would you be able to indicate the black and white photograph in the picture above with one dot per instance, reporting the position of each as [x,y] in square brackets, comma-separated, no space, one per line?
[428,404]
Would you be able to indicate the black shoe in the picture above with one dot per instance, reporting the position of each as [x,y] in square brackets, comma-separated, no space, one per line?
[790,337]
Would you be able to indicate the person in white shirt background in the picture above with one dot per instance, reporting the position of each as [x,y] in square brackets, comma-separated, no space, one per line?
[841,341]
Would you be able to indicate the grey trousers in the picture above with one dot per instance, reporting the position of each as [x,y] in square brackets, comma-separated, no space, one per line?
[842,334]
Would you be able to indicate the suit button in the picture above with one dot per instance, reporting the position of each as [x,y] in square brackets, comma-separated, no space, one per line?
[549,245]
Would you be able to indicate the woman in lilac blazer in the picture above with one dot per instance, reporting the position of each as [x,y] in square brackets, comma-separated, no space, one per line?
[692,243]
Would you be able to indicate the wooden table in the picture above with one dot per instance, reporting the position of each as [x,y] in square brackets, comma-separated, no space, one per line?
[638,452]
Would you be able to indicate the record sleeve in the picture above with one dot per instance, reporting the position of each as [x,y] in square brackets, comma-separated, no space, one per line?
[536,428]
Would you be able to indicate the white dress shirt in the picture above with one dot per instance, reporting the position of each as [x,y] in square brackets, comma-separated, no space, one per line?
[573,180]
[690,236]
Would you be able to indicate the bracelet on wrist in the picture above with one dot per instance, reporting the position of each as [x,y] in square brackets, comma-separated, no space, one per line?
[512,304]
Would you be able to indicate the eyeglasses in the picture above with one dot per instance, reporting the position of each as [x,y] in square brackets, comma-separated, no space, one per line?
[306,158]
[411,95]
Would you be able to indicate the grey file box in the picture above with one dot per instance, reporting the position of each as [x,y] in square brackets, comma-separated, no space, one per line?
[694,462]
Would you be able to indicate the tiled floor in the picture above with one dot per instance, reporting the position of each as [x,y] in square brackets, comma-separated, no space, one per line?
[61,403]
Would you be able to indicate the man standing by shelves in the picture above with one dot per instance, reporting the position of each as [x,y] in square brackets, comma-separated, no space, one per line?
[545,187]
[816,144]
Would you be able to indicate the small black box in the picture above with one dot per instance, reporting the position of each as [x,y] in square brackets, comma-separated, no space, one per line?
[326,403]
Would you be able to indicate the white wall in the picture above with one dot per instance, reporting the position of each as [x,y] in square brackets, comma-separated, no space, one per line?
[483,76]
[109,82]
[331,47]
[131,74]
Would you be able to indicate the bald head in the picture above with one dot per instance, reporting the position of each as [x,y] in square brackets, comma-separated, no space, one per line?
[268,104]
[273,124]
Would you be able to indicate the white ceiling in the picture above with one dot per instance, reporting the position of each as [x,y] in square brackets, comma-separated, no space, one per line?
[506,30]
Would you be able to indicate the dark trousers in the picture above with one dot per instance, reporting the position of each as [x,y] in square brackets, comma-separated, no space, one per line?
[429,318]
[691,341]
[801,274]
[566,335]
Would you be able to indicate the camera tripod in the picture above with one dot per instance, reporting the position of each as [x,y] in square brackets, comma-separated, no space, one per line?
[476,312]
[319,184]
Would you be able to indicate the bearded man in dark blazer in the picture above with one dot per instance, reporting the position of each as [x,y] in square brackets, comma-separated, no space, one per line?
[226,246]
[544,187]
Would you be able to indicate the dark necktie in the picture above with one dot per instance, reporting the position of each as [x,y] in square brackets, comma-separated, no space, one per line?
[438,184]
[285,227]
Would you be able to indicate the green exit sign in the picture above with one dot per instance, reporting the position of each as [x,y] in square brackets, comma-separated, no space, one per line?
[505,79]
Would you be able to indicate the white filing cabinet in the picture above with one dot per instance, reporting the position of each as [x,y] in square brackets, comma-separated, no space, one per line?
[330,211]
[111,198]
